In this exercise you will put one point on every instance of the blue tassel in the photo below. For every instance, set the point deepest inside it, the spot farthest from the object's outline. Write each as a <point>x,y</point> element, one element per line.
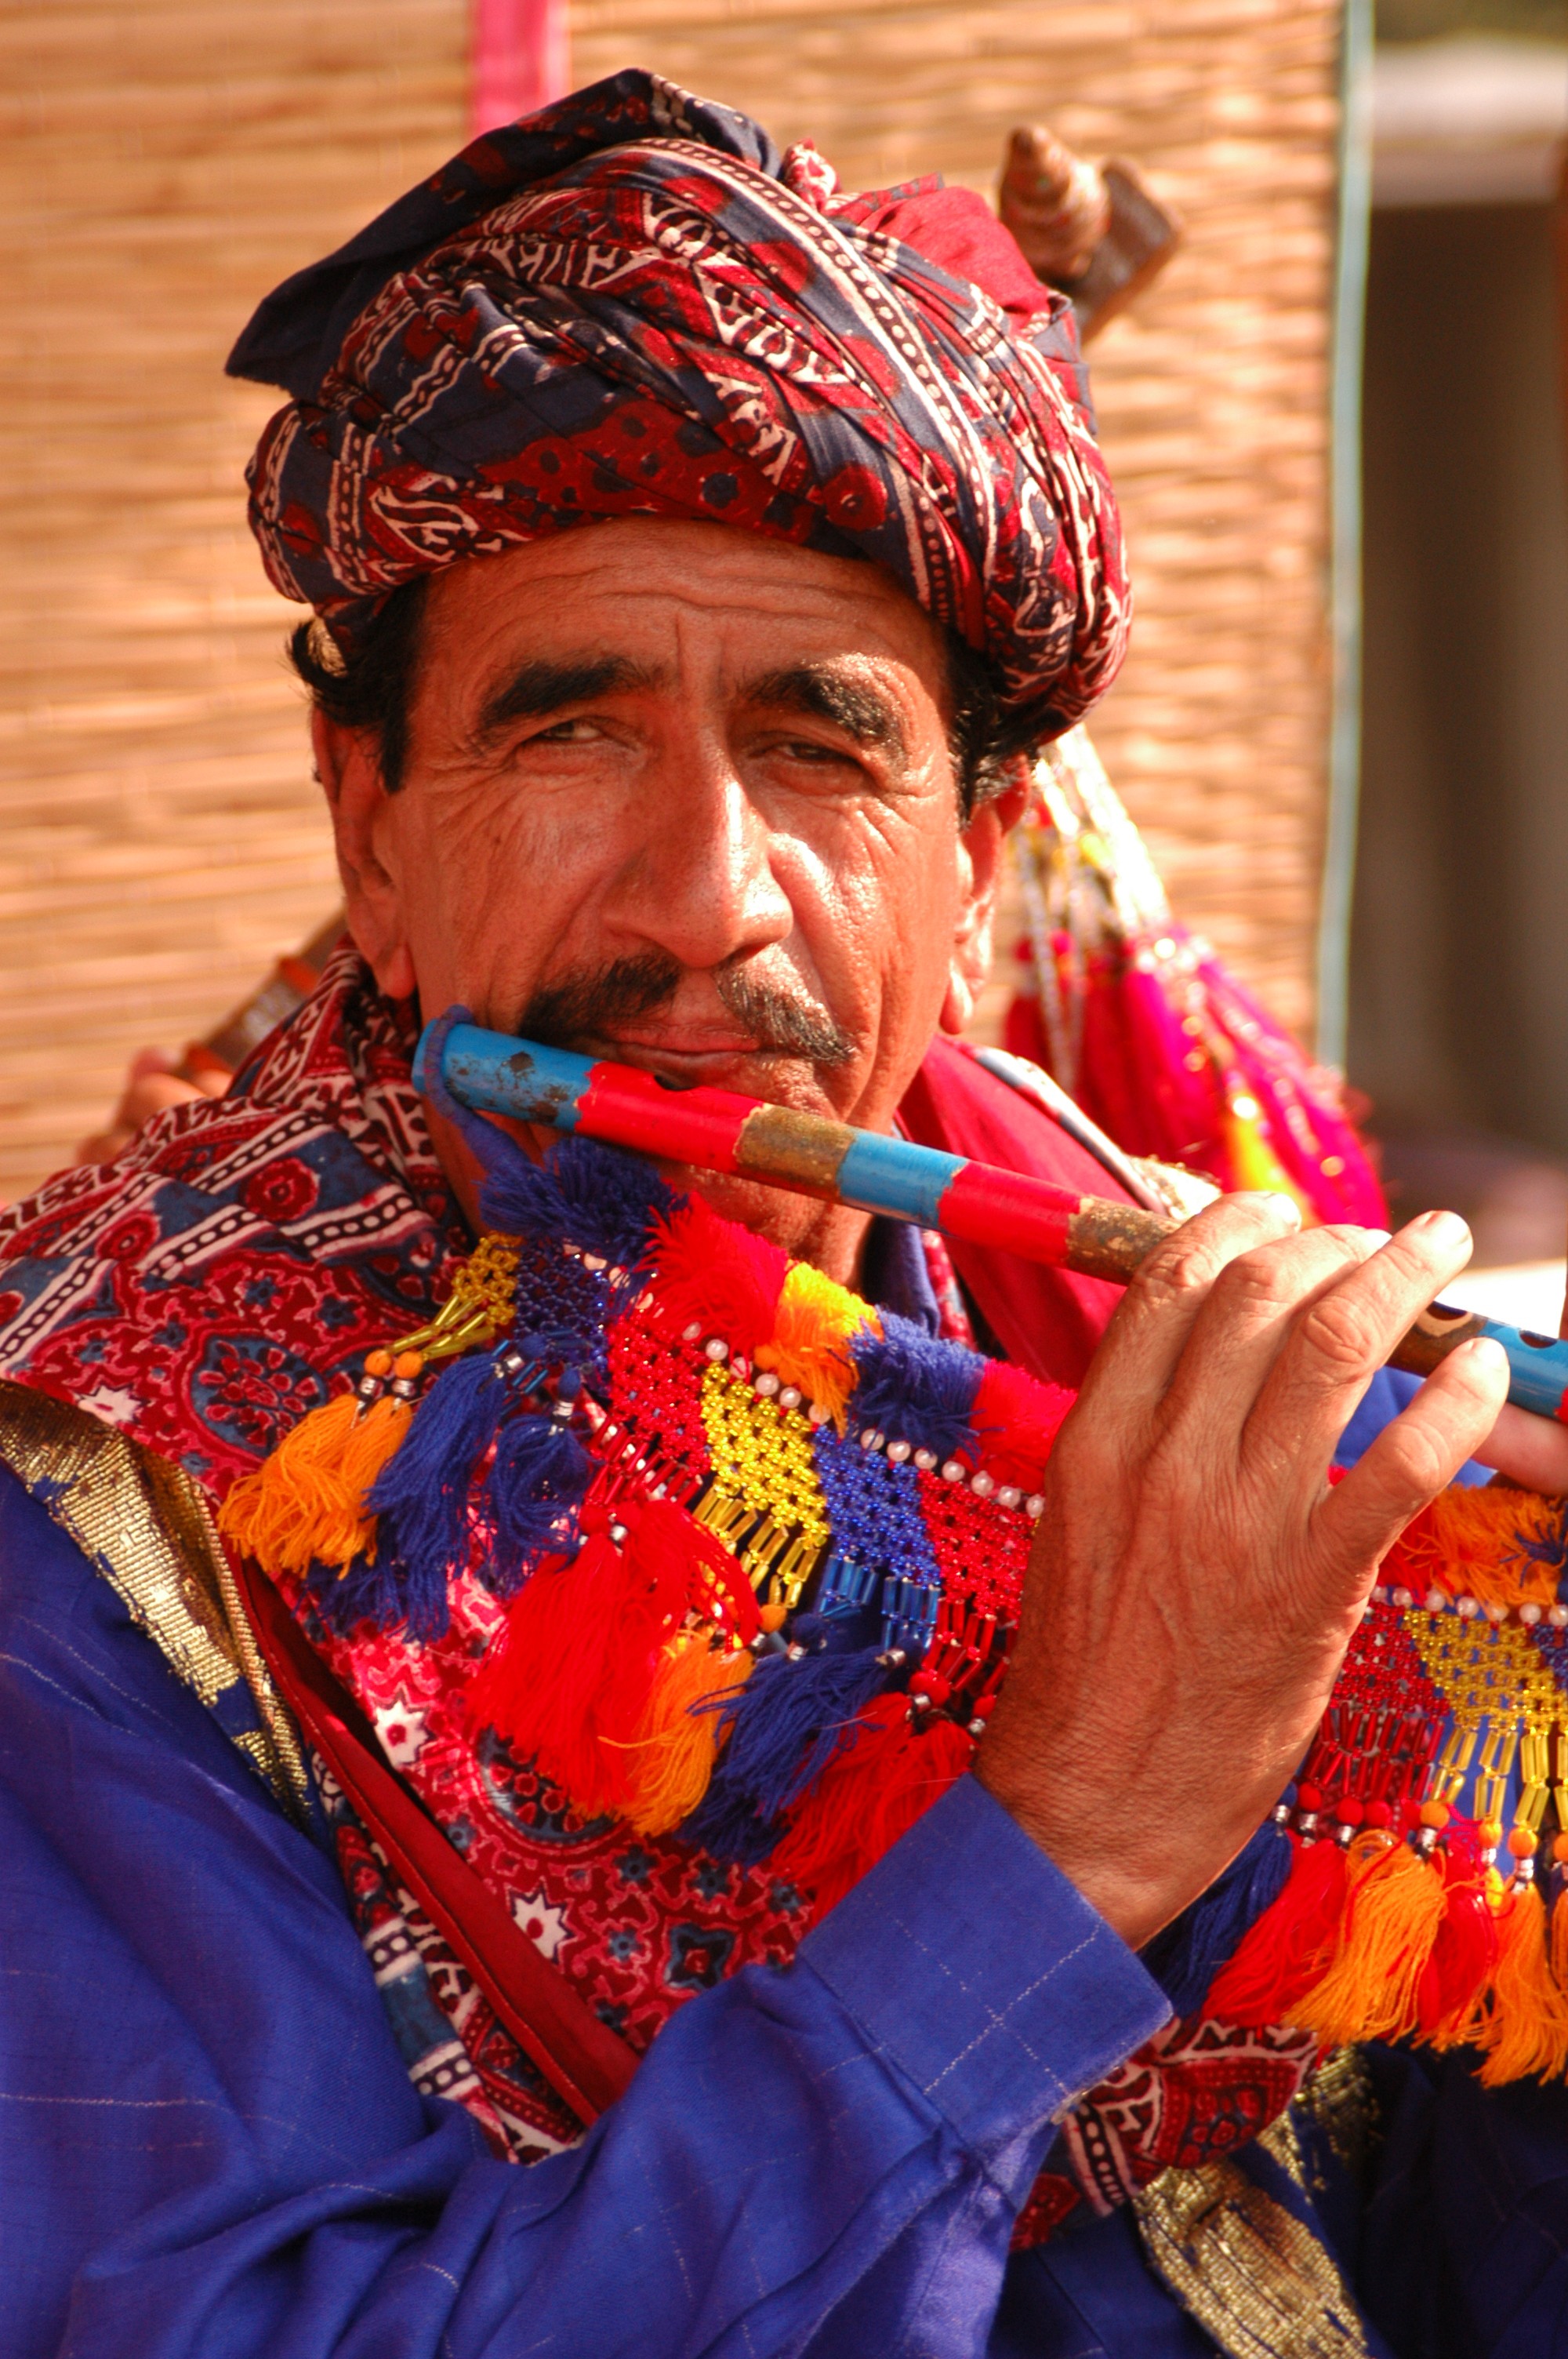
<point>421,1496</point>
<point>603,1200</point>
<point>783,1729</point>
<point>916,1388</point>
<point>368,1591</point>
<point>1187,1955</point>
<point>538,1481</point>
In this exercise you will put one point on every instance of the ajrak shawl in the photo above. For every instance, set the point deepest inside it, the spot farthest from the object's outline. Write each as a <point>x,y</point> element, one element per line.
<point>632,304</point>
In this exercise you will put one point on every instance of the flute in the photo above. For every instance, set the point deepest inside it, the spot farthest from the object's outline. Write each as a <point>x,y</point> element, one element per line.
<point>973,1203</point>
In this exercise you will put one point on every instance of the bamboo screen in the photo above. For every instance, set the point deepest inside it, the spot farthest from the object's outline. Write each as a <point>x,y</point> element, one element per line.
<point>163,166</point>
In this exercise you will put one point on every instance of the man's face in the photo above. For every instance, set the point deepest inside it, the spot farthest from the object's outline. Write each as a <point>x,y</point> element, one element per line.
<point>681,797</point>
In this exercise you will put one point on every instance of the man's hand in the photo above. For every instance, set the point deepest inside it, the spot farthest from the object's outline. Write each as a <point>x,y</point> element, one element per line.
<point>1195,1580</point>
<point>151,1085</point>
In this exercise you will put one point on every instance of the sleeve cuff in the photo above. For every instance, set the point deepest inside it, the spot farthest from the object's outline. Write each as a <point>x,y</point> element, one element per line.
<point>979,1972</point>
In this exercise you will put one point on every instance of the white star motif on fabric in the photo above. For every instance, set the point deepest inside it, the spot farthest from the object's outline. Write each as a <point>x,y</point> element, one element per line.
<point>116,1407</point>
<point>400,1725</point>
<point>546,1926</point>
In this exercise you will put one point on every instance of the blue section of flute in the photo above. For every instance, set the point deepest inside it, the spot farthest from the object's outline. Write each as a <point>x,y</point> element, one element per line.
<point>496,1074</point>
<point>893,1175</point>
<point>1538,1371</point>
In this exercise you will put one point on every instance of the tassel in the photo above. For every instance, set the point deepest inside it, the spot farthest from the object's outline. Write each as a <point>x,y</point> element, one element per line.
<point>714,1276</point>
<point>783,1730</point>
<point>1500,1547</point>
<point>677,1737</point>
<point>1462,1958</point>
<point>809,1345</point>
<point>421,1498</point>
<point>914,1387</point>
<point>1289,1946</point>
<point>1525,2028</point>
<point>570,1682</point>
<point>1016,1420</point>
<point>1559,1938</point>
<point>603,1199</point>
<point>1185,1957</point>
<point>298,1504</point>
<point>888,1774</point>
<point>1394,1907</point>
<point>535,1485</point>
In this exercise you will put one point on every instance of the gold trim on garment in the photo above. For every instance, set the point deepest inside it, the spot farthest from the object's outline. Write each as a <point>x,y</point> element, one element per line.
<point>146,1527</point>
<point>1252,2275</point>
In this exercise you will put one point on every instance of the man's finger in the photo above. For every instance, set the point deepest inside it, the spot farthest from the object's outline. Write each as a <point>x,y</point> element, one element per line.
<point>1533,1450</point>
<point>1148,1333</point>
<point>1338,1341</point>
<point>1247,1318</point>
<point>1412,1458</point>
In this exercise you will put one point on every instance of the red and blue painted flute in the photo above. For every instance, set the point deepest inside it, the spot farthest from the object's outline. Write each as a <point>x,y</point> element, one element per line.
<point>715,1130</point>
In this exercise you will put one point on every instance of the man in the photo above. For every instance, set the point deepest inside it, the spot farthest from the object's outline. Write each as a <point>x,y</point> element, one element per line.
<point>714,781</point>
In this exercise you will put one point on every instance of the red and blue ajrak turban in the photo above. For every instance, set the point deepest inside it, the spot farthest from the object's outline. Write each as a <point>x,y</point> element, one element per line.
<point>632,304</point>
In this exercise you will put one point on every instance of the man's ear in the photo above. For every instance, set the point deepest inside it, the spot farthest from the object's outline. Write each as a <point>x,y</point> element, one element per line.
<point>349,774</point>
<point>981,854</point>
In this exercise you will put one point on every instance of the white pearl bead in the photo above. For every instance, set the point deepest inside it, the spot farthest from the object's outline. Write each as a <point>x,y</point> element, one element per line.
<point>897,1452</point>
<point>1436,1601</point>
<point>817,1414</point>
<point>593,1261</point>
<point>952,1471</point>
<point>1008,1496</point>
<point>1557,1615</point>
<point>1466,1608</point>
<point>1530,1615</point>
<point>1497,1612</point>
<point>716,1349</point>
<point>982,1485</point>
<point>925,1460</point>
<point>1404,1599</point>
<point>789,1397</point>
<point>689,1335</point>
<point>1379,1594</point>
<point>1034,1506</point>
<point>766,1385</point>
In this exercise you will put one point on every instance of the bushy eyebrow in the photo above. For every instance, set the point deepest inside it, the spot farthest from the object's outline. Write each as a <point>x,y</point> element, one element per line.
<point>538,688</point>
<point>825,692</point>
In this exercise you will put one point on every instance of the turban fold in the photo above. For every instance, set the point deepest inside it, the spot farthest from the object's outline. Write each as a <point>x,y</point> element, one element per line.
<point>632,304</point>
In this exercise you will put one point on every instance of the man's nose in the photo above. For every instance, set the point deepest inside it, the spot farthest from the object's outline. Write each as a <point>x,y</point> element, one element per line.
<point>700,883</point>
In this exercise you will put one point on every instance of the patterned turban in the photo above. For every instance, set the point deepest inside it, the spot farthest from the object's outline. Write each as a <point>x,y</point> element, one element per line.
<point>632,304</point>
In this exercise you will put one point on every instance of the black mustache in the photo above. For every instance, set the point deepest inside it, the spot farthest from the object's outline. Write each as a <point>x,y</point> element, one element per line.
<point>586,1007</point>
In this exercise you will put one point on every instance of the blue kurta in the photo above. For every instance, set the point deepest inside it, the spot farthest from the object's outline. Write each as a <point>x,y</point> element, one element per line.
<point>209,2147</point>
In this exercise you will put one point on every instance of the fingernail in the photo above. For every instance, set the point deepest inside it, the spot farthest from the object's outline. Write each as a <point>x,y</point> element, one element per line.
<point>1443,1229</point>
<point>1488,1355</point>
<point>1376,1237</point>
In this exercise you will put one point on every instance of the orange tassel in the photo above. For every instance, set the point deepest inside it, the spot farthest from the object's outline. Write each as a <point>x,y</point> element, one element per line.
<point>809,1344</point>
<point>1470,1541</point>
<point>1289,1948</point>
<point>1393,1907</point>
<point>1524,2029</point>
<point>298,1504</point>
<point>888,1773</point>
<point>674,1749</point>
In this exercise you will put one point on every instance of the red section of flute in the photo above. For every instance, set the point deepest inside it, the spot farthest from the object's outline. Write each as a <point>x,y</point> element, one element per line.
<point>988,1207</point>
<point>629,1108</point>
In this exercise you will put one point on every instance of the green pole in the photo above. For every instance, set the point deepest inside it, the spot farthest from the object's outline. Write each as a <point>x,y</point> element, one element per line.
<point>1345,529</point>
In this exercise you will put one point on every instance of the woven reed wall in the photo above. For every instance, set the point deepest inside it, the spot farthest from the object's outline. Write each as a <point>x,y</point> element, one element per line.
<point>162,166</point>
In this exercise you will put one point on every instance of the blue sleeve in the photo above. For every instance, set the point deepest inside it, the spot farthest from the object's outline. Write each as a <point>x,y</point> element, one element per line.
<point>210,2149</point>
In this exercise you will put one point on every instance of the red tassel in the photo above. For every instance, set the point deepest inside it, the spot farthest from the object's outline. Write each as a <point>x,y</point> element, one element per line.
<point>1016,1419</point>
<point>710,1273</point>
<point>887,1775</point>
<point>1289,1945</point>
<point>1462,1959</point>
<point>571,1680</point>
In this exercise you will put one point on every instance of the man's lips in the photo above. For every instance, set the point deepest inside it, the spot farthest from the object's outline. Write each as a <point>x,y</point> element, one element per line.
<point>688,1057</point>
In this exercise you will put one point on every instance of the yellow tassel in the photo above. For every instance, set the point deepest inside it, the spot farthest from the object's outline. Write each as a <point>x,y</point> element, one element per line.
<point>1525,2029</point>
<point>298,1504</point>
<point>678,1745</point>
<point>813,1324</point>
<point>1393,1907</point>
<point>1253,1162</point>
